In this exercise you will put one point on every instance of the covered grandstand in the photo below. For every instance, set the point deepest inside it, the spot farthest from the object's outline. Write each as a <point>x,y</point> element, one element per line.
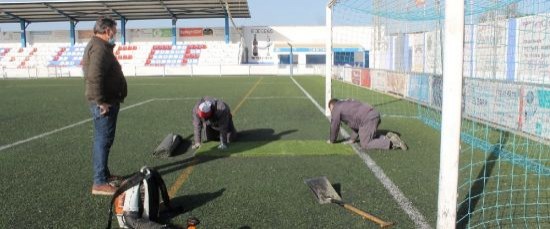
<point>228,49</point>
<point>58,53</point>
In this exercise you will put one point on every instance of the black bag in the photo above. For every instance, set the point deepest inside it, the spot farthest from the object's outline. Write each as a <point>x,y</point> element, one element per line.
<point>137,200</point>
<point>168,146</point>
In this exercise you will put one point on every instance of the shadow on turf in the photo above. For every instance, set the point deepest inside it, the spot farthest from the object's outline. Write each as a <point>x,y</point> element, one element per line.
<point>468,205</point>
<point>187,203</point>
<point>184,147</point>
<point>378,133</point>
<point>264,134</point>
<point>257,137</point>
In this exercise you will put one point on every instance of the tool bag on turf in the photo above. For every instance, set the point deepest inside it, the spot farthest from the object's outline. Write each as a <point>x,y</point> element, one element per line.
<point>137,200</point>
<point>167,147</point>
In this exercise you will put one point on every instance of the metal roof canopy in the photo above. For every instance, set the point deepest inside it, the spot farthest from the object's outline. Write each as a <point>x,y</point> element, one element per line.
<point>15,11</point>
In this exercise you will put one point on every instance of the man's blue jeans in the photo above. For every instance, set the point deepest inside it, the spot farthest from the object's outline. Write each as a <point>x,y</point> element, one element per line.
<point>104,136</point>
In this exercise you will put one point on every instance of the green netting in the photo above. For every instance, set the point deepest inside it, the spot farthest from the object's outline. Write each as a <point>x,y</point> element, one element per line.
<point>424,10</point>
<point>504,171</point>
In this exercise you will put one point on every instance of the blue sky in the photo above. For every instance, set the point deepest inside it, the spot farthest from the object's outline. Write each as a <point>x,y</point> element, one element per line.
<point>263,12</point>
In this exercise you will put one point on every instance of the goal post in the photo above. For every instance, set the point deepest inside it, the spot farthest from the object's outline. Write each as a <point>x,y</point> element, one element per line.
<point>328,55</point>
<point>451,114</point>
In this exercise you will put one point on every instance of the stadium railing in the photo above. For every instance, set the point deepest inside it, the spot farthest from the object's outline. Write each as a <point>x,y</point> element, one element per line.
<point>167,70</point>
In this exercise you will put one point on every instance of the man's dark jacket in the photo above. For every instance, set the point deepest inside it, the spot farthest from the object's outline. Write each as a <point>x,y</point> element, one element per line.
<point>105,82</point>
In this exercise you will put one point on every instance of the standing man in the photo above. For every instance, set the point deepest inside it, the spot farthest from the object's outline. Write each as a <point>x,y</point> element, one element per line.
<point>216,117</point>
<point>105,90</point>
<point>363,120</point>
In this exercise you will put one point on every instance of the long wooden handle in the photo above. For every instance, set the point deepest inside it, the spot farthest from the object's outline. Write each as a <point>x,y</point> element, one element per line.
<point>382,223</point>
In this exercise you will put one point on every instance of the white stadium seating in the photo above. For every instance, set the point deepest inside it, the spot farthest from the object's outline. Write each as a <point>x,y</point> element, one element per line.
<point>146,54</point>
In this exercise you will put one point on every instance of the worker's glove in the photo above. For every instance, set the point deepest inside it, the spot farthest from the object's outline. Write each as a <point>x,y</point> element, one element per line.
<point>222,146</point>
<point>196,146</point>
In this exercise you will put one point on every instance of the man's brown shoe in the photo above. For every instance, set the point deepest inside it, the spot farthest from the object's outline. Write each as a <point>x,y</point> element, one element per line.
<point>103,189</point>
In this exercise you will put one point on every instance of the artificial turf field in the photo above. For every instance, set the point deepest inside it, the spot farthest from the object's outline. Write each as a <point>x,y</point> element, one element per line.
<point>257,183</point>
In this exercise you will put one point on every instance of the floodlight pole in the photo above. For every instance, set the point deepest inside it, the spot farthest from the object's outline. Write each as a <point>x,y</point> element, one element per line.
<point>72,32</point>
<point>174,35</point>
<point>123,29</point>
<point>291,58</point>
<point>24,25</point>
<point>123,21</point>
<point>451,114</point>
<point>328,55</point>
<point>226,27</point>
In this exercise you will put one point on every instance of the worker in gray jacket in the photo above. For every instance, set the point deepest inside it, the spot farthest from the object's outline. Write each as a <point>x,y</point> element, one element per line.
<point>363,120</point>
<point>217,120</point>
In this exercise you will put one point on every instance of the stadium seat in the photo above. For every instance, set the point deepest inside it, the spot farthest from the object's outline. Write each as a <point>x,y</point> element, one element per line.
<point>166,55</point>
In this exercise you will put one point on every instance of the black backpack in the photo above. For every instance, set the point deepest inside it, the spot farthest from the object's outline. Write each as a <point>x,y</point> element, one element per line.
<point>137,200</point>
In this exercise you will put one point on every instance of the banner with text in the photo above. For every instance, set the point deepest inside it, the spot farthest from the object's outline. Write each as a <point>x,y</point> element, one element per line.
<point>418,50</point>
<point>533,52</point>
<point>493,101</point>
<point>419,87</point>
<point>356,76</point>
<point>535,112</point>
<point>469,51</point>
<point>365,78</point>
<point>143,34</point>
<point>338,73</point>
<point>379,78</point>
<point>490,50</point>
<point>260,45</point>
<point>433,61</point>
<point>191,32</point>
<point>437,91</point>
<point>396,83</point>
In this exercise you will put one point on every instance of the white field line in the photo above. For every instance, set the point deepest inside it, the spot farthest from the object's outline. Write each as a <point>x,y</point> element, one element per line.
<point>255,97</point>
<point>321,109</point>
<point>394,191</point>
<point>47,85</point>
<point>278,97</point>
<point>82,122</point>
<point>174,99</point>
<point>44,134</point>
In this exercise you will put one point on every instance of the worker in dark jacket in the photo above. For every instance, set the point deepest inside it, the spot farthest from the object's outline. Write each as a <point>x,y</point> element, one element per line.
<point>105,90</point>
<point>363,120</point>
<point>217,120</point>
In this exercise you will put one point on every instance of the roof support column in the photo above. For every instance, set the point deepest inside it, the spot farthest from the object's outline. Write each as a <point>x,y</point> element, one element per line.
<point>72,32</point>
<point>123,30</point>
<point>24,25</point>
<point>174,35</point>
<point>226,30</point>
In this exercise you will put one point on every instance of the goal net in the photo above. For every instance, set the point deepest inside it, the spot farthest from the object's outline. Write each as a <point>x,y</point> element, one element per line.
<point>390,54</point>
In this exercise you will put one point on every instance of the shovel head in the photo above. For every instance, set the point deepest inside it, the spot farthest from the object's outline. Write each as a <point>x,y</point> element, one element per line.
<point>323,190</point>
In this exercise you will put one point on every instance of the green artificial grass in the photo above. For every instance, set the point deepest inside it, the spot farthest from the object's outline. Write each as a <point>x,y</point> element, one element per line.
<point>258,182</point>
<point>269,192</point>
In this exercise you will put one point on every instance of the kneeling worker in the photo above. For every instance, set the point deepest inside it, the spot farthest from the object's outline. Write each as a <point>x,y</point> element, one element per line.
<point>217,120</point>
<point>363,120</point>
